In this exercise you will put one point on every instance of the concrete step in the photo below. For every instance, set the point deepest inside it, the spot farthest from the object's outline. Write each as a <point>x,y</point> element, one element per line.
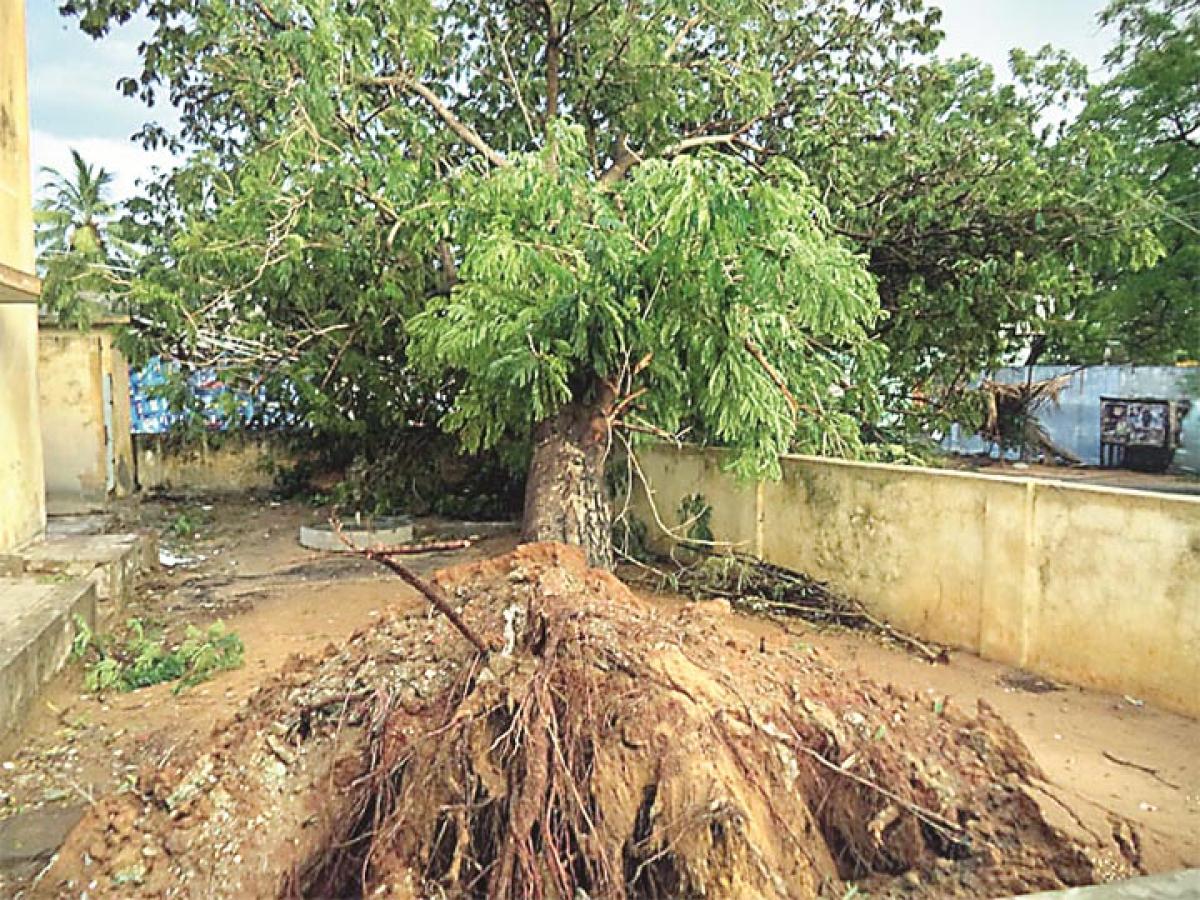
<point>37,623</point>
<point>110,561</point>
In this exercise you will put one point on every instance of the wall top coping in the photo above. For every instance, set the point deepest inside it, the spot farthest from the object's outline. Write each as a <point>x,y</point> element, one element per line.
<point>1018,481</point>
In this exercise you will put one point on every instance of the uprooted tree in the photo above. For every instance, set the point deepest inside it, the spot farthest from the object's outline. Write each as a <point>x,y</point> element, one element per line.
<point>562,223</point>
<point>581,233</point>
<point>609,749</point>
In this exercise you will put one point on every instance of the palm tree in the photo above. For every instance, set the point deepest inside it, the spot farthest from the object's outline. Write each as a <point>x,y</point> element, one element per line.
<point>79,247</point>
<point>73,212</point>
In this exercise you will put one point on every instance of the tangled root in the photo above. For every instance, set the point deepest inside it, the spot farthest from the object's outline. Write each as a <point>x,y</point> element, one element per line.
<point>613,750</point>
<point>614,754</point>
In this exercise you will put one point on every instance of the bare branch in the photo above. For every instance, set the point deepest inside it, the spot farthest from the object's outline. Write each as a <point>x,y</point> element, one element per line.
<point>680,35</point>
<point>501,48</point>
<point>464,132</point>
<point>626,158</point>
<point>424,547</point>
<point>427,589</point>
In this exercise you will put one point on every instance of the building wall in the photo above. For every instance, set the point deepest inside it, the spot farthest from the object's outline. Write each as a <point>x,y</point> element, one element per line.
<point>1073,423</point>
<point>1095,586</point>
<point>22,501</point>
<point>74,366</point>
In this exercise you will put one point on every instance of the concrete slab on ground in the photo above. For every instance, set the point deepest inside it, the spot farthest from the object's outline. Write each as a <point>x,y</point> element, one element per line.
<point>1181,885</point>
<point>36,834</point>
<point>37,623</point>
<point>29,839</point>
<point>72,505</point>
<point>91,523</point>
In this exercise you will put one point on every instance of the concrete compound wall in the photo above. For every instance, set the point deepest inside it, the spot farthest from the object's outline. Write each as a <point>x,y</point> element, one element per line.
<point>73,368</point>
<point>1095,586</point>
<point>22,500</point>
<point>231,464</point>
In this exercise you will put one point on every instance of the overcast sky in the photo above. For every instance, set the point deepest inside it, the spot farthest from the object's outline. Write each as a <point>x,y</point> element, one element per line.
<point>74,102</point>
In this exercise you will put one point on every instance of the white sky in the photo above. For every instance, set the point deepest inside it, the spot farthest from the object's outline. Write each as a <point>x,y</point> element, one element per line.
<point>74,101</point>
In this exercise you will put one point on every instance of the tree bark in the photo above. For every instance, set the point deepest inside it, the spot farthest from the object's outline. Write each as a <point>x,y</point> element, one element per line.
<point>566,498</point>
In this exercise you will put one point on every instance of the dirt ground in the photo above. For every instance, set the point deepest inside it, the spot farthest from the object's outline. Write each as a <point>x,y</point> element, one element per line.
<point>283,600</point>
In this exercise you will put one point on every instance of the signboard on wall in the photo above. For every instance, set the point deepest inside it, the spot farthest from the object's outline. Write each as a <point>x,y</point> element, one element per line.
<point>1135,423</point>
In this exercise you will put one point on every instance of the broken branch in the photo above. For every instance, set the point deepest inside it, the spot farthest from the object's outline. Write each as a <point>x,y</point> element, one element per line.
<point>1153,773</point>
<point>426,547</point>
<point>427,589</point>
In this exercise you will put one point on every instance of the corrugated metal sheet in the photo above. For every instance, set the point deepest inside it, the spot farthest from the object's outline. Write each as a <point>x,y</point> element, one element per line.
<point>1074,423</point>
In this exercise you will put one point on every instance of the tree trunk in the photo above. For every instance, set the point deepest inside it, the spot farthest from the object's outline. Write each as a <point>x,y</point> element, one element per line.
<point>565,496</point>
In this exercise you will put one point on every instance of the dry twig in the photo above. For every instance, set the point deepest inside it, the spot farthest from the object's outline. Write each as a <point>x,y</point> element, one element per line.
<point>1152,772</point>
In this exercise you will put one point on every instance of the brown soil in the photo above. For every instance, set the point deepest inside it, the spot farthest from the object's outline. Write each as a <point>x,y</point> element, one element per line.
<point>611,748</point>
<point>1095,748</point>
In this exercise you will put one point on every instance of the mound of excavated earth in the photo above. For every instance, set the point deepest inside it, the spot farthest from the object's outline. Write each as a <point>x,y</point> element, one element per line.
<point>606,748</point>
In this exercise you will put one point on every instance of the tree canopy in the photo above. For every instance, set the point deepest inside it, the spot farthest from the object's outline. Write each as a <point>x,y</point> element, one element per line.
<point>1150,106</point>
<point>475,212</point>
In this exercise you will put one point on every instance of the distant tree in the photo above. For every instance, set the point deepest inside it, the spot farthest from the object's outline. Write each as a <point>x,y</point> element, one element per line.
<point>1151,107</point>
<point>985,216</point>
<point>77,239</point>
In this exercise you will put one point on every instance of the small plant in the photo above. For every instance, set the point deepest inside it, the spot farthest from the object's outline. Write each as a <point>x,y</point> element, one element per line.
<point>695,515</point>
<point>184,525</point>
<point>144,658</point>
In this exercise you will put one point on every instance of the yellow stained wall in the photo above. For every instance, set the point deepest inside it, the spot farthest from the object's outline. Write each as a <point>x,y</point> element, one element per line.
<point>231,464</point>
<point>73,366</point>
<point>22,500</point>
<point>1096,586</point>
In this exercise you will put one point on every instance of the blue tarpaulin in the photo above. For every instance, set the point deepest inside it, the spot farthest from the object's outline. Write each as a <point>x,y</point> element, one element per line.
<point>151,411</point>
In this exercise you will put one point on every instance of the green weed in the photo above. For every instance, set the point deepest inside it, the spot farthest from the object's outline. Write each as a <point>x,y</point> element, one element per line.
<point>143,657</point>
<point>186,524</point>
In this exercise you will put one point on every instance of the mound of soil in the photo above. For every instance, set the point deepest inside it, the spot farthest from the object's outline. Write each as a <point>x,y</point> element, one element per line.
<point>606,748</point>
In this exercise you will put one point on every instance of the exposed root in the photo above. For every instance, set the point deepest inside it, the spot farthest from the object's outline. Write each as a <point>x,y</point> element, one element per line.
<point>615,752</point>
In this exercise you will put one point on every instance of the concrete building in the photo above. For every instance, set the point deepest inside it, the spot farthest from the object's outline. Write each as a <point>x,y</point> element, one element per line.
<point>49,576</point>
<point>85,416</point>
<point>22,491</point>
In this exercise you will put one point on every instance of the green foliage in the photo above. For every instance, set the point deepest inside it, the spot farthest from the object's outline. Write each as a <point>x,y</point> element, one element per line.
<point>1151,109</point>
<point>474,213</point>
<point>78,241</point>
<point>354,248</point>
<point>564,281</point>
<point>186,523</point>
<point>984,225</point>
<point>143,657</point>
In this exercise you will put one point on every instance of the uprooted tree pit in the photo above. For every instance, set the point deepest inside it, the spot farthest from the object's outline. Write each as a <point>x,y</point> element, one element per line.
<point>604,748</point>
